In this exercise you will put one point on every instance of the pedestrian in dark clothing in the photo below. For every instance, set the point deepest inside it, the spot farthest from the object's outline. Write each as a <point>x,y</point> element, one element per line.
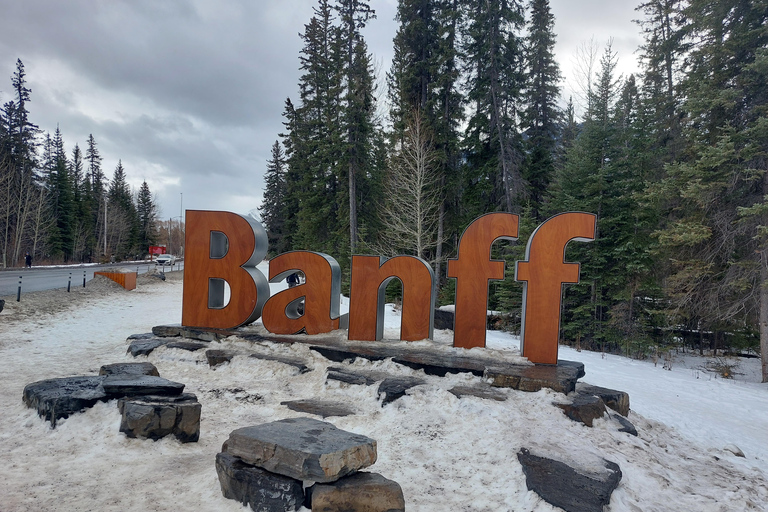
<point>292,280</point>
<point>28,260</point>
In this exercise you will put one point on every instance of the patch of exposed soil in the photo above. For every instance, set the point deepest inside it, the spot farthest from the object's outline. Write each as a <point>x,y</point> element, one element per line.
<point>50,302</point>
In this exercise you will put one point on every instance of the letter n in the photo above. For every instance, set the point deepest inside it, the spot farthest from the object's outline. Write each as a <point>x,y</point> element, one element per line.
<point>370,276</point>
<point>223,247</point>
<point>543,275</point>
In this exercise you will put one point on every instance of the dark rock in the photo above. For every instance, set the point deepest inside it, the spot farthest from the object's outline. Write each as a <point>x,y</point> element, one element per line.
<point>117,386</point>
<point>142,336</point>
<point>154,417</point>
<point>480,391</point>
<point>178,330</point>
<point>561,377</point>
<point>616,400</point>
<point>360,492</point>
<point>217,356</point>
<point>303,448</point>
<point>167,331</point>
<point>624,424</point>
<point>444,319</point>
<point>260,489</point>
<point>584,408</point>
<point>338,355</point>
<point>129,369</point>
<point>360,377</point>
<point>297,363</point>
<point>570,489</point>
<point>55,399</point>
<point>2,305</point>
<point>144,347</point>
<point>395,387</point>
<point>187,345</point>
<point>324,408</point>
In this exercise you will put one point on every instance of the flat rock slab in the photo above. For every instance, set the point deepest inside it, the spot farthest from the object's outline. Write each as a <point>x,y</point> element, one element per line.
<point>584,408</point>
<point>299,364</point>
<point>479,391</point>
<point>303,448</point>
<point>324,408</point>
<point>129,369</point>
<point>359,377</point>
<point>116,386</point>
<point>216,357</point>
<point>573,490</point>
<point>393,388</point>
<point>178,330</point>
<point>55,399</point>
<point>258,488</point>
<point>154,417</point>
<point>191,346</point>
<point>145,346</point>
<point>616,400</point>
<point>561,377</point>
<point>141,336</point>
<point>359,492</point>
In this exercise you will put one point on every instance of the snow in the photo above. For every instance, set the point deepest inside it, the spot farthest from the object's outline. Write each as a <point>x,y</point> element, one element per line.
<point>448,454</point>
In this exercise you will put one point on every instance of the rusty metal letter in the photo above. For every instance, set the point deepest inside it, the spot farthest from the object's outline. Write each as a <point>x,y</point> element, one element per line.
<point>473,269</point>
<point>543,273</point>
<point>321,294</point>
<point>223,247</point>
<point>370,276</point>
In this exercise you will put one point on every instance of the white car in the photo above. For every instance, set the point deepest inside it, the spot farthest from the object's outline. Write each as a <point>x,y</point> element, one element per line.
<point>165,259</point>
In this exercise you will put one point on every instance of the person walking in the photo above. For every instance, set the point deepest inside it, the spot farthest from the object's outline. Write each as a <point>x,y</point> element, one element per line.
<point>28,260</point>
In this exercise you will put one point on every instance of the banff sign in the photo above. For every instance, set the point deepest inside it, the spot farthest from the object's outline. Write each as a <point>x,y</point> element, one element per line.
<point>223,247</point>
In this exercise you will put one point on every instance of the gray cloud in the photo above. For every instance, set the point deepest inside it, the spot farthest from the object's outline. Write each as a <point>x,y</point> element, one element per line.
<point>189,94</point>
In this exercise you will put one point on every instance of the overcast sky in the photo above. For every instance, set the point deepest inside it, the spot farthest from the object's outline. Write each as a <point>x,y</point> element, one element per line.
<point>189,94</point>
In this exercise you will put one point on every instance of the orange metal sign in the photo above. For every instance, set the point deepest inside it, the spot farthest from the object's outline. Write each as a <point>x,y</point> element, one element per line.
<point>224,248</point>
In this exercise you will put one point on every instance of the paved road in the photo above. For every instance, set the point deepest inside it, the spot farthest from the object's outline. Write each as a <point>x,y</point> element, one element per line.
<point>49,278</point>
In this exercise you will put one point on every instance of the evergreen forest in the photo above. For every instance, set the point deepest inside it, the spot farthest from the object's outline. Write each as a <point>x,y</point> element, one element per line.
<point>471,119</point>
<point>61,208</point>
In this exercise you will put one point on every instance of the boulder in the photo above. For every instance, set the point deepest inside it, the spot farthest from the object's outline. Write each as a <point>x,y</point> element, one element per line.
<point>572,489</point>
<point>144,346</point>
<point>117,386</point>
<point>584,408</point>
<point>217,356</point>
<point>395,387</point>
<point>2,305</point>
<point>129,369</point>
<point>561,377</point>
<point>167,331</point>
<point>624,424</point>
<point>154,417</point>
<point>303,448</point>
<point>324,408</point>
<point>55,399</point>
<point>256,487</point>
<point>616,400</point>
<point>444,319</point>
<point>361,492</point>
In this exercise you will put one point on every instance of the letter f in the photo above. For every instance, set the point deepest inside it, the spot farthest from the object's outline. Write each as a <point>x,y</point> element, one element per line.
<point>543,274</point>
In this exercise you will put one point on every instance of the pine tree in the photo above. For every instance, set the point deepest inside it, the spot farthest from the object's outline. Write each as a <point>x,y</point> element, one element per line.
<point>272,209</point>
<point>62,202</point>
<point>97,199</point>
<point>123,225</point>
<point>493,65</point>
<point>541,117</point>
<point>147,215</point>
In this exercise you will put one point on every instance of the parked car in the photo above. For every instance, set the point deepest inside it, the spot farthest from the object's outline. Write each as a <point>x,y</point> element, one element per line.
<point>165,259</point>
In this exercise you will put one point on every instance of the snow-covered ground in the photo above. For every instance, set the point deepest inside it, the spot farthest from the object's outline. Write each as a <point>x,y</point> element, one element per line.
<point>448,454</point>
